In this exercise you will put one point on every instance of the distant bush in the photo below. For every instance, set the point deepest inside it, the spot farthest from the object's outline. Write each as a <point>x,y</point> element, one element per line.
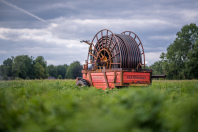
<point>5,77</point>
<point>27,78</point>
<point>12,78</point>
<point>18,78</point>
<point>60,77</point>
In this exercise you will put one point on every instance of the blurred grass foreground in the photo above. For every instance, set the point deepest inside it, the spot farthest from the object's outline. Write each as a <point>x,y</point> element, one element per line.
<point>59,105</point>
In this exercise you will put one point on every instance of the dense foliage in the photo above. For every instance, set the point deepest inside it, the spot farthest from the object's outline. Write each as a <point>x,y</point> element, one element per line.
<point>58,71</point>
<point>44,105</point>
<point>180,61</point>
<point>74,70</point>
<point>26,67</point>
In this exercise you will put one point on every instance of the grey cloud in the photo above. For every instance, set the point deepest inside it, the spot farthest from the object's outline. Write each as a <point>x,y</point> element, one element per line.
<point>153,21</point>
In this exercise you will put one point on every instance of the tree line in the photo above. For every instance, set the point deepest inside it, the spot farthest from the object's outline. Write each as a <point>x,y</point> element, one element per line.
<point>25,67</point>
<point>181,59</point>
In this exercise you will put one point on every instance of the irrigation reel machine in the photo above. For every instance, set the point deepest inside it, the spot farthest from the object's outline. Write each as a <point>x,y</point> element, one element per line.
<point>115,60</point>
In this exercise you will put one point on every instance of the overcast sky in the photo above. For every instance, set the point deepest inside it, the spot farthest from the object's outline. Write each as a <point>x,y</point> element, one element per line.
<point>156,22</point>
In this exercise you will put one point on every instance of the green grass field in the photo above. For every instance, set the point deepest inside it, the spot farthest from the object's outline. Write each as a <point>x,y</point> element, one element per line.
<point>59,105</point>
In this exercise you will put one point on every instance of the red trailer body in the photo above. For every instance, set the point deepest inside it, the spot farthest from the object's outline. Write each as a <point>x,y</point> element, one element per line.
<point>111,78</point>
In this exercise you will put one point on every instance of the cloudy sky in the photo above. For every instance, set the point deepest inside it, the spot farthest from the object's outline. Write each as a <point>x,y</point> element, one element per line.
<point>44,27</point>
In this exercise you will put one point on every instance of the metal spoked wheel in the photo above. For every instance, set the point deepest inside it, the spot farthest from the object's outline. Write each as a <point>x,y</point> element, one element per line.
<point>82,82</point>
<point>104,50</point>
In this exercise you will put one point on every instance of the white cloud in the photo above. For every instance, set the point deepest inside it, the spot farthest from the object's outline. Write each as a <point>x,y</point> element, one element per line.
<point>152,57</point>
<point>2,52</point>
<point>156,48</point>
<point>165,37</point>
<point>77,24</point>
<point>189,15</point>
<point>37,35</point>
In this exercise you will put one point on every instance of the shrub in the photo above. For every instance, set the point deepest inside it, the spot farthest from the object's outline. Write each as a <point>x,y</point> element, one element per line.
<point>18,78</point>
<point>5,77</point>
<point>60,77</point>
<point>12,78</point>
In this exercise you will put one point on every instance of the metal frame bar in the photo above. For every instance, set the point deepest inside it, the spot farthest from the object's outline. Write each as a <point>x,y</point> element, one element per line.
<point>91,83</point>
<point>106,81</point>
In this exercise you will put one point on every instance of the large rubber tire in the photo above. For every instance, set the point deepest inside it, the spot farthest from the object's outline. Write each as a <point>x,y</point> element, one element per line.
<point>82,82</point>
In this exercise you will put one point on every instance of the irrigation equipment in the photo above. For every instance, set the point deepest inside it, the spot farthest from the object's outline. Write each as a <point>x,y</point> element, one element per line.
<point>115,60</point>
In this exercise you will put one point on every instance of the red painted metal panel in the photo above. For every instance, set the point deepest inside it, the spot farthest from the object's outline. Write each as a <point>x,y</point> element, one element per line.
<point>110,79</point>
<point>100,85</point>
<point>110,73</point>
<point>97,74</point>
<point>103,85</point>
<point>98,78</point>
<point>136,77</point>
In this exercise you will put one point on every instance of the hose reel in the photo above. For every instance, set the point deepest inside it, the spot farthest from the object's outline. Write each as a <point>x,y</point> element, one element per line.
<point>111,50</point>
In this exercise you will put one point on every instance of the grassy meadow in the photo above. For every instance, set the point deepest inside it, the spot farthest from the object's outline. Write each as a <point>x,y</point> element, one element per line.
<point>59,105</point>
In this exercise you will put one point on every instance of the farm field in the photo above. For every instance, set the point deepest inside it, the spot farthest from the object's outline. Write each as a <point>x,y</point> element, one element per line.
<point>59,105</point>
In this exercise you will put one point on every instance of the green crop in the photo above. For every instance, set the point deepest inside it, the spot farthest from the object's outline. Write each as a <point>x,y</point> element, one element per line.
<point>59,105</point>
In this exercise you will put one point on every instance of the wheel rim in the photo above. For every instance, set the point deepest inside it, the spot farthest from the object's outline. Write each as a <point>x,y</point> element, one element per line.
<point>104,49</point>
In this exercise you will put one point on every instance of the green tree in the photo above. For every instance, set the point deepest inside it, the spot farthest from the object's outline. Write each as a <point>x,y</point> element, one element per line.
<point>23,66</point>
<point>177,52</point>
<point>146,67</point>
<point>66,67</point>
<point>157,68</point>
<point>5,77</point>
<point>39,71</point>
<point>61,70</point>
<point>40,67</point>
<point>192,64</point>
<point>59,77</point>
<point>178,62</point>
<point>52,70</point>
<point>1,70</point>
<point>7,67</point>
<point>74,70</point>
<point>160,67</point>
